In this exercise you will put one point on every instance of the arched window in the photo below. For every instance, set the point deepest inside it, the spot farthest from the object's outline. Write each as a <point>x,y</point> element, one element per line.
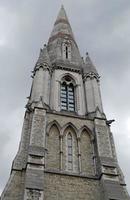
<point>70,151</point>
<point>52,141</point>
<point>66,48</point>
<point>67,95</point>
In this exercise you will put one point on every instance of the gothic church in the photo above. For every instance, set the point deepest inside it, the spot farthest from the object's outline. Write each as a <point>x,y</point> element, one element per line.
<point>66,150</point>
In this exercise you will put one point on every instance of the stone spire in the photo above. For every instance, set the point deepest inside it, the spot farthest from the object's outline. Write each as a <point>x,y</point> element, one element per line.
<point>62,26</point>
<point>60,37</point>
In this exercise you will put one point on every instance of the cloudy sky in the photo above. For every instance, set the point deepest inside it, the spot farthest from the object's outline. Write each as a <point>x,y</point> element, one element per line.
<point>101,27</point>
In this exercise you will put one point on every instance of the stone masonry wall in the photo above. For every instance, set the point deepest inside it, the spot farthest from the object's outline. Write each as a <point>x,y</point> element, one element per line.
<point>14,189</point>
<point>66,187</point>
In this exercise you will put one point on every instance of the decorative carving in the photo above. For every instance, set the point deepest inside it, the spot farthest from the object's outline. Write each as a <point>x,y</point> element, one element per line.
<point>66,65</point>
<point>109,122</point>
<point>91,75</point>
<point>33,194</point>
<point>44,66</point>
<point>29,107</point>
<point>39,104</point>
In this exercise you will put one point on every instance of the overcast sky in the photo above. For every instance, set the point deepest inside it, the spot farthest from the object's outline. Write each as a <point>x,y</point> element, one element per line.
<point>100,27</point>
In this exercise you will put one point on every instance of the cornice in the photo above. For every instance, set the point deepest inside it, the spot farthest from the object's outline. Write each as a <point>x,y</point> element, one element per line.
<point>67,66</point>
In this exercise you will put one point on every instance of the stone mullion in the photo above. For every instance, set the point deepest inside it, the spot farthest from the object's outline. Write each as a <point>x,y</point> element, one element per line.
<point>61,152</point>
<point>67,95</point>
<point>79,155</point>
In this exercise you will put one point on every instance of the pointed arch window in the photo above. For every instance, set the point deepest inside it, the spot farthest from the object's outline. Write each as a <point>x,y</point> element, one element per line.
<point>67,96</point>
<point>66,48</point>
<point>70,151</point>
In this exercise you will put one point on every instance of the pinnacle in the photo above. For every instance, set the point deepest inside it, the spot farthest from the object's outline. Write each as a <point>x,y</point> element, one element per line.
<point>89,66</point>
<point>88,59</point>
<point>44,57</point>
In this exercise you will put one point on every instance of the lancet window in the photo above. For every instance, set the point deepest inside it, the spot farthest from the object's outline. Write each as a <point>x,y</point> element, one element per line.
<point>67,95</point>
<point>66,50</point>
<point>70,152</point>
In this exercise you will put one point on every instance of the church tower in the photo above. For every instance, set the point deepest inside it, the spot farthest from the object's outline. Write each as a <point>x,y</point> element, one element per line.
<point>66,150</point>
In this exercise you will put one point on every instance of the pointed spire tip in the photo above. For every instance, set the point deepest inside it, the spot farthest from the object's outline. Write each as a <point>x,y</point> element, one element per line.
<point>62,13</point>
<point>62,6</point>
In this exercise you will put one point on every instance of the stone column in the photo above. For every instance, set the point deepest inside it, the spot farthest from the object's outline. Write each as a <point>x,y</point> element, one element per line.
<point>79,155</point>
<point>34,178</point>
<point>108,164</point>
<point>41,85</point>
